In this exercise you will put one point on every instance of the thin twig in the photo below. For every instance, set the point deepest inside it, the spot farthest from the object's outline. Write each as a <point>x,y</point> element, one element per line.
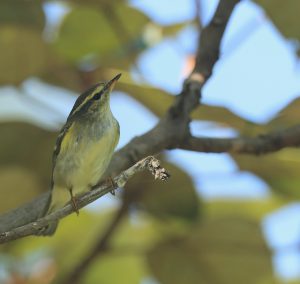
<point>198,14</point>
<point>149,163</point>
<point>171,129</point>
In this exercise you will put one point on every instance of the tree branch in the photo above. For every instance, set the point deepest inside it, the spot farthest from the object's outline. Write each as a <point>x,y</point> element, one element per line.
<point>173,127</point>
<point>262,144</point>
<point>33,228</point>
<point>170,131</point>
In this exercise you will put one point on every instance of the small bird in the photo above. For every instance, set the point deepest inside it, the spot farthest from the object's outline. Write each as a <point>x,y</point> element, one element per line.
<point>83,149</point>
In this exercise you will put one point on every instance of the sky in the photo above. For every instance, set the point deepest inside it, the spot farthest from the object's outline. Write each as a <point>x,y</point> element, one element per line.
<point>245,90</point>
<point>239,83</point>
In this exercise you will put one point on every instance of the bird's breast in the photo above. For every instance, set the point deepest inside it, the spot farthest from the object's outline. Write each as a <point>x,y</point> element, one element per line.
<point>86,156</point>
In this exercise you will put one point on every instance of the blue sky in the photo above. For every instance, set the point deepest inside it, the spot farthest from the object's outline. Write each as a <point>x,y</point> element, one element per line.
<point>256,76</point>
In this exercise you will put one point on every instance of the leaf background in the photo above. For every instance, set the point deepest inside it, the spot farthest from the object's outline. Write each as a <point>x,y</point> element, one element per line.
<point>173,234</point>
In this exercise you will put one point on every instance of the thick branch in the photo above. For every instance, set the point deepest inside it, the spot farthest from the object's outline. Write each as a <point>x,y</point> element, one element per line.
<point>174,127</point>
<point>169,132</point>
<point>261,144</point>
<point>210,40</point>
<point>33,228</point>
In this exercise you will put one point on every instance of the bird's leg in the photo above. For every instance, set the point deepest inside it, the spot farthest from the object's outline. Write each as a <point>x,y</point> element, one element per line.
<point>113,184</point>
<point>109,181</point>
<point>73,201</point>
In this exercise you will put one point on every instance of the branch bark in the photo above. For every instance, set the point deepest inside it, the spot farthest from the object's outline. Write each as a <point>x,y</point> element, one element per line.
<point>33,228</point>
<point>172,129</point>
<point>262,144</point>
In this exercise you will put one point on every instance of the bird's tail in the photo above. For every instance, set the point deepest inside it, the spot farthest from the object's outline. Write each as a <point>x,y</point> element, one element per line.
<point>57,199</point>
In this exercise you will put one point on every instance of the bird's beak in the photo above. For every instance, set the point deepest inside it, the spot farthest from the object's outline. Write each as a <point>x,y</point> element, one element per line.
<point>110,85</point>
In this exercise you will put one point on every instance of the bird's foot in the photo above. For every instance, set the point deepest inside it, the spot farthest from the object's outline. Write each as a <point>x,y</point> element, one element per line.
<point>113,185</point>
<point>74,202</point>
<point>110,182</point>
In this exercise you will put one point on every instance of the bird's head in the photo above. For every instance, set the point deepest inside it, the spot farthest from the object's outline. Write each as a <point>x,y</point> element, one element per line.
<point>94,100</point>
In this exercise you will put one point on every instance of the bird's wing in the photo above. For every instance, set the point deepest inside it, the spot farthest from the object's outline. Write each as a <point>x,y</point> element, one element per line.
<point>57,146</point>
<point>80,101</point>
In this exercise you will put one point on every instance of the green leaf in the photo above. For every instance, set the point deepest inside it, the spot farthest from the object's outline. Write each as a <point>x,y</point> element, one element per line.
<point>174,198</point>
<point>85,31</point>
<point>112,269</point>
<point>280,170</point>
<point>22,54</point>
<point>27,146</point>
<point>287,117</point>
<point>172,30</point>
<point>25,163</point>
<point>224,250</point>
<point>285,16</point>
<point>156,100</point>
<point>69,246</point>
<point>133,20</point>
<point>66,248</point>
<point>254,209</point>
<point>225,117</point>
<point>60,73</point>
<point>18,185</point>
<point>97,3</point>
<point>22,13</point>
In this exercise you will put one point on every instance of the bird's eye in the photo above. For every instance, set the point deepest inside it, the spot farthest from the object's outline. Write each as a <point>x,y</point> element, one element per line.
<point>97,96</point>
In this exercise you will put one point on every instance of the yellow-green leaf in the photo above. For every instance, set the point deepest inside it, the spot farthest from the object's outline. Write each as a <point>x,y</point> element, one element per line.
<point>175,198</point>
<point>280,170</point>
<point>224,250</point>
<point>22,13</point>
<point>22,53</point>
<point>285,15</point>
<point>85,31</point>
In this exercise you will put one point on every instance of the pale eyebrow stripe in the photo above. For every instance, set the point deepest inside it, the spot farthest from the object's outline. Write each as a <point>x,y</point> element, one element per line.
<point>94,90</point>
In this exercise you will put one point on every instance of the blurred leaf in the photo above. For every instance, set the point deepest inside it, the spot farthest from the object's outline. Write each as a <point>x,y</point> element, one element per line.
<point>225,117</point>
<point>60,72</point>
<point>288,116</point>
<point>255,209</point>
<point>172,30</point>
<point>29,147</point>
<point>174,198</point>
<point>106,35</point>
<point>18,185</point>
<point>75,238</point>
<point>154,99</point>
<point>22,13</point>
<point>225,250</point>
<point>97,3</point>
<point>112,269</point>
<point>158,101</point>
<point>280,170</point>
<point>133,21</point>
<point>138,231</point>
<point>285,16</point>
<point>67,247</point>
<point>96,35</point>
<point>22,54</point>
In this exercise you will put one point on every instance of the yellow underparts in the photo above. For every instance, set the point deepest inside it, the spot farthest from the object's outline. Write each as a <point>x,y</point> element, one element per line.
<point>80,165</point>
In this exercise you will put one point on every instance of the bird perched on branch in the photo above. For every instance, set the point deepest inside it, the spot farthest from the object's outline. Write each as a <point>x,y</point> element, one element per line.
<point>83,149</point>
